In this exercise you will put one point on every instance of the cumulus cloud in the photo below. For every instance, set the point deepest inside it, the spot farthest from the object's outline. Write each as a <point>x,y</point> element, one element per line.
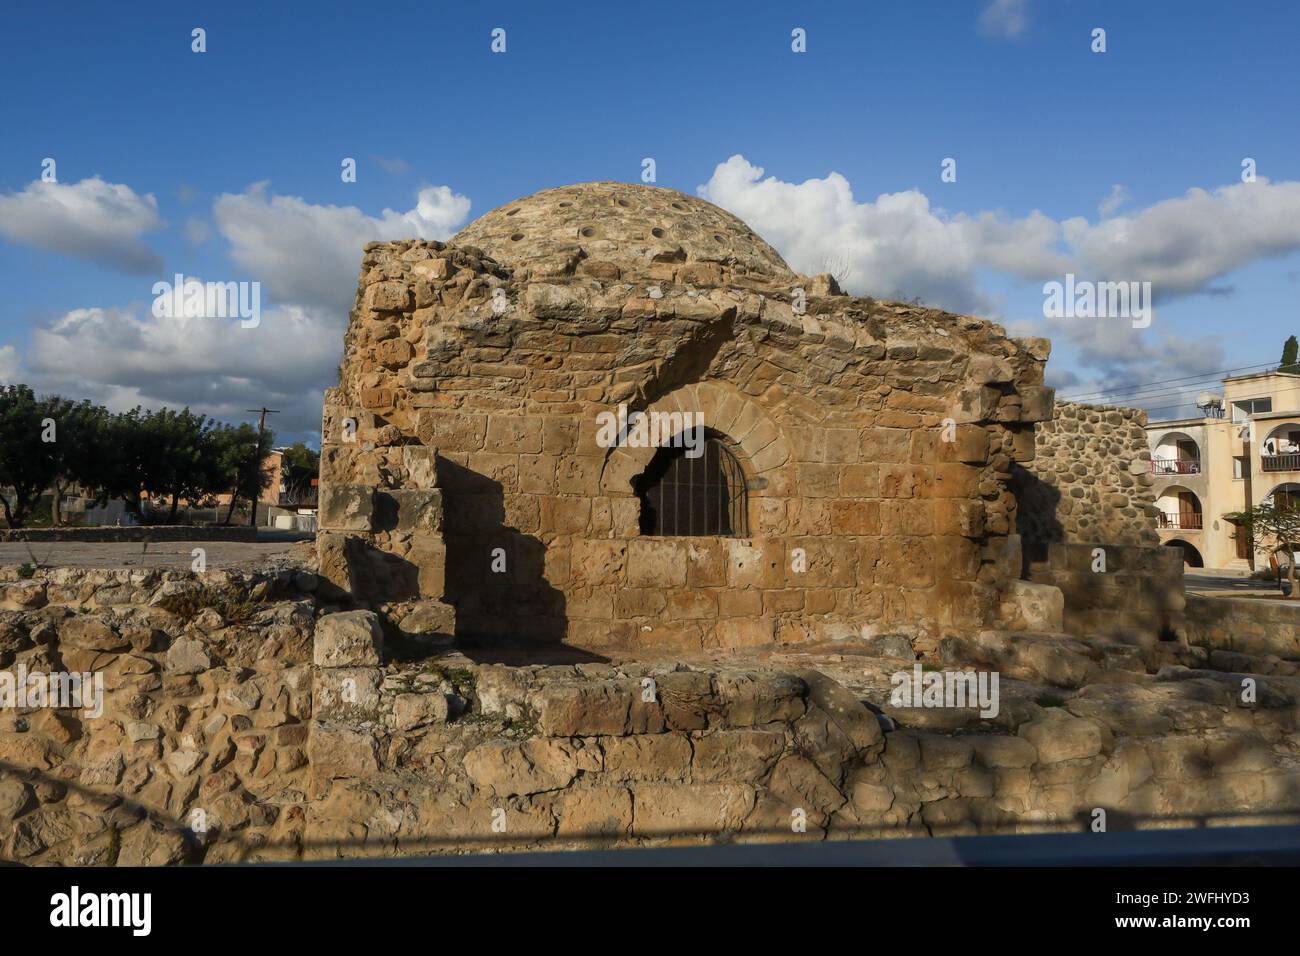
<point>94,220</point>
<point>900,246</point>
<point>1005,19</point>
<point>897,246</point>
<point>10,366</point>
<point>1096,356</point>
<point>306,257</point>
<point>308,253</point>
<point>126,356</point>
<point>1183,245</point>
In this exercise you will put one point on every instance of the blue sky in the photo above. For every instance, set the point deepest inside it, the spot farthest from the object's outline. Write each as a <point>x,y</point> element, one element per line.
<point>225,165</point>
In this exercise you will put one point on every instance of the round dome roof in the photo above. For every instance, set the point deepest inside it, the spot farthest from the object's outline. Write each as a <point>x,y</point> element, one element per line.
<point>619,222</point>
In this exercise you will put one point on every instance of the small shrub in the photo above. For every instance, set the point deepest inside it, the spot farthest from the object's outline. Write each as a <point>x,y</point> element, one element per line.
<point>26,570</point>
<point>233,606</point>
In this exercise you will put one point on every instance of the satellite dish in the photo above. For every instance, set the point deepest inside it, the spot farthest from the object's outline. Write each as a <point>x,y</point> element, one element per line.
<point>1209,403</point>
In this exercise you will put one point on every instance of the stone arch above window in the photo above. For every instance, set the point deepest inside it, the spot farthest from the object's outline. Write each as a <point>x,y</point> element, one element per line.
<point>748,431</point>
<point>697,491</point>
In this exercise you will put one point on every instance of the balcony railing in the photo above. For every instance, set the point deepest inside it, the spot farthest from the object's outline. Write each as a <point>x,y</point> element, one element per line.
<point>1279,462</point>
<point>1181,521</point>
<point>1175,466</point>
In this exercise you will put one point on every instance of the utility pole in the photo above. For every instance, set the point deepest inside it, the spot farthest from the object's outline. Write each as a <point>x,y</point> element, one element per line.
<point>1247,485</point>
<point>261,428</point>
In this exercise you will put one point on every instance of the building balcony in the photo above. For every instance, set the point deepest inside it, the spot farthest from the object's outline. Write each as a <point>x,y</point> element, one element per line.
<point>1175,466</point>
<point>1269,463</point>
<point>1179,521</point>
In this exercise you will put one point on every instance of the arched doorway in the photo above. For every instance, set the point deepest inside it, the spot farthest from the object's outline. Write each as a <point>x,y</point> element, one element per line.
<point>1280,449</point>
<point>1191,557</point>
<point>1180,509</point>
<point>1177,453</point>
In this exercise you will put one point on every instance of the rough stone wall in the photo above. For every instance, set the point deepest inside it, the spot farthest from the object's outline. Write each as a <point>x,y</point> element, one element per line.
<point>1117,591</point>
<point>837,417</point>
<point>1244,625</point>
<point>1089,482</point>
<point>202,713</point>
<point>294,734</point>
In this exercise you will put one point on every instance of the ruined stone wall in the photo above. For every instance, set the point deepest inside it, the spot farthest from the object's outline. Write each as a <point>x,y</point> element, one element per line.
<point>1086,520</point>
<point>1117,591</point>
<point>1244,625</point>
<point>1089,482</point>
<point>283,730</point>
<point>837,417</point>
<point>206,708</point>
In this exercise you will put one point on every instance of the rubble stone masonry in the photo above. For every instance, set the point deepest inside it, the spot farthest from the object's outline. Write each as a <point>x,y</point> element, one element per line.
<point>461,462</point>
<point>246,720</point>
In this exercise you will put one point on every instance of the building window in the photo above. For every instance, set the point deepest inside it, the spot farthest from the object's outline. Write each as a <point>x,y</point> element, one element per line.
<point>1241,411</point>
<point>1286,498</point>
<point>1240,466</point>
<point>697,496</point>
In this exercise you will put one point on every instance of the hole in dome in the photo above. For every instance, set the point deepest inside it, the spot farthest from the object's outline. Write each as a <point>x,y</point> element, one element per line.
<point>512,212</point>
<point>516,237</point>
<point>565,203</point>
<point>718,238</point>
<point>586,232</point>
<point>657,232</point>
<point>678,205</point>
<point>622,202</point>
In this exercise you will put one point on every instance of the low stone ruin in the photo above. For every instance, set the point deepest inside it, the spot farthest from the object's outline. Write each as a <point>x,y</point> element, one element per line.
<point>244,719</point>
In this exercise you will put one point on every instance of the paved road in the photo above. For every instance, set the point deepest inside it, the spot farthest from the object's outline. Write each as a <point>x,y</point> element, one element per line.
<point>1199,583</point>
<point>164,554</point>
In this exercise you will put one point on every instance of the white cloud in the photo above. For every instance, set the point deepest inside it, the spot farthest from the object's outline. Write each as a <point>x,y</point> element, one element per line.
<point>899,246</point>
<point>1005,19</point>
<point>126,356</point>
<point>10,366</point>
<point>306,256</point>
<point>1111,360</point>
<point>1118,196</point>
<point>197,232</point>
<point>309,253</point>
<point>394,167</point>
<point>1183,245</point>
<point>93,219</point>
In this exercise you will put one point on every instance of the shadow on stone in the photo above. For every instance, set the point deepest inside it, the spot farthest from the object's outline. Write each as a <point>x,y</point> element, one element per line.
<point>506,610</point>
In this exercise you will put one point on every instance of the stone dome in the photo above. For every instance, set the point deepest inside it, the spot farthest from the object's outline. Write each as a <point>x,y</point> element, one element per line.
<point>622,223</point>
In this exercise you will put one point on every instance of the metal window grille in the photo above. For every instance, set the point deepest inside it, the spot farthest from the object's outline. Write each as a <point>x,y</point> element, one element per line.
<point>702,496</point>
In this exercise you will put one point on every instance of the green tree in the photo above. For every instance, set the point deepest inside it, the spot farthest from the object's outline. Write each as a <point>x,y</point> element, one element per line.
<point>80,449</point>
<point>299,466</point>
<point>174,456</point>
<point>241,457</point>
<point>28,452</point>
<point>1290,356</point>
<point>1277,527</point>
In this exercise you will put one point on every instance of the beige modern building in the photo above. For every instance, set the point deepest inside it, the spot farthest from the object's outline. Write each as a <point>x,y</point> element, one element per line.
<point>1243,452</point>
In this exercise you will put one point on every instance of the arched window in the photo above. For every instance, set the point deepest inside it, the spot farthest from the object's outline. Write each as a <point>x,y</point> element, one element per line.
<point>698,496</point>
<point>1285,497</point>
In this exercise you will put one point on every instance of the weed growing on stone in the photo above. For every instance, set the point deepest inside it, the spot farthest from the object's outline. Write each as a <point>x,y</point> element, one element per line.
<point>233,606</point>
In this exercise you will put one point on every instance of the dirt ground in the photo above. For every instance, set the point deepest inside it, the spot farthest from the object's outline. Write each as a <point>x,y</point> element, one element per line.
<point>164,554</point>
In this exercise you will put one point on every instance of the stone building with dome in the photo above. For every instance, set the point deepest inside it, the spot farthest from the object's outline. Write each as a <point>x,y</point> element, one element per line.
<point>851,477</point>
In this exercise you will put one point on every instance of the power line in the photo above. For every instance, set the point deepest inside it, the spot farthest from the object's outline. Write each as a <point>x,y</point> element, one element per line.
<point>1158,394</point>
<point>1191,380</point>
